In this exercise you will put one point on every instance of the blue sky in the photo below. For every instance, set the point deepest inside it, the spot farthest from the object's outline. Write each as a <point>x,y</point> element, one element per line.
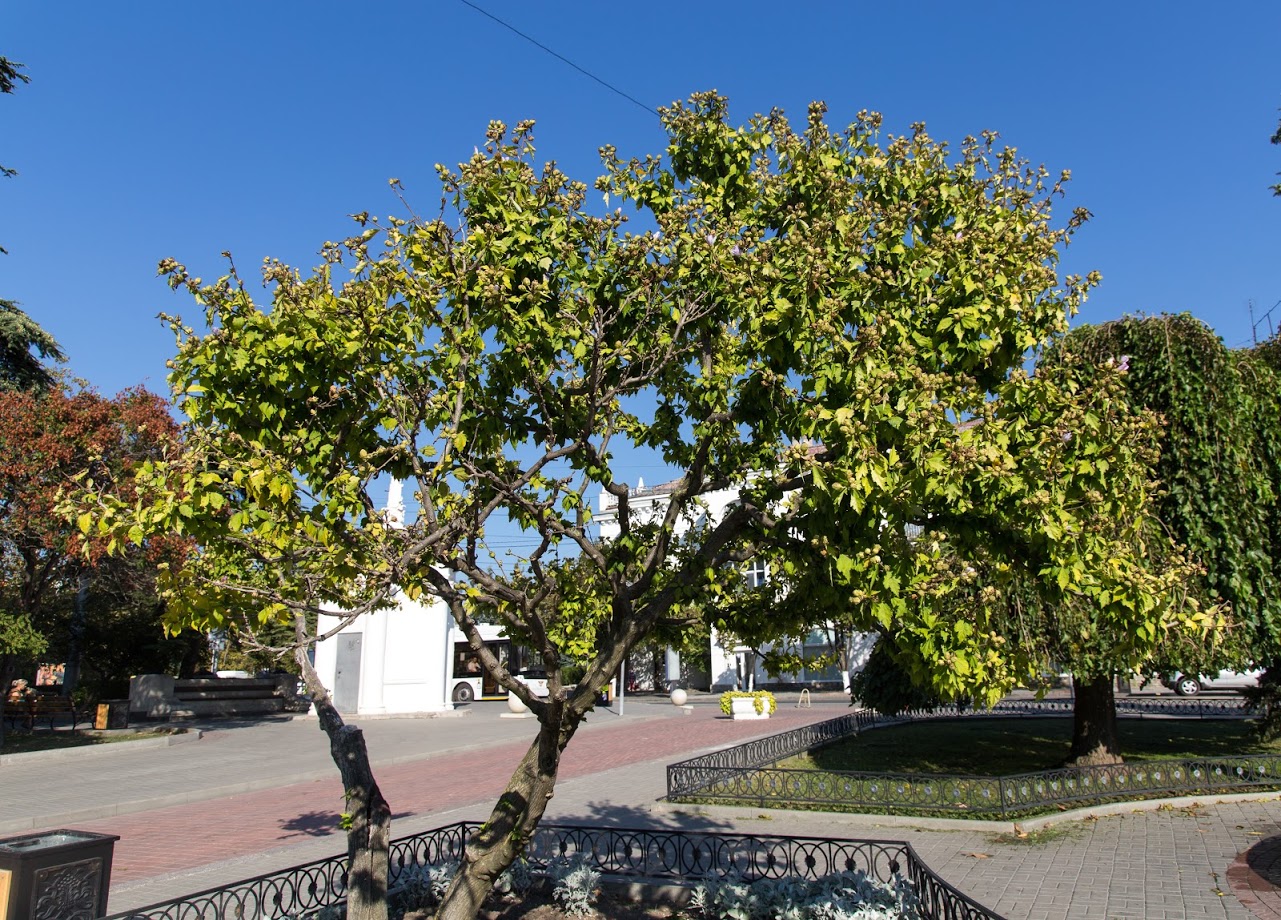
<point>161,129</point>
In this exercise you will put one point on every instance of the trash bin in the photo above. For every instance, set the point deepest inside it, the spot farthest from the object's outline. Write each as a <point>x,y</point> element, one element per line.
<point>59,874</point>
<point>112,714</point>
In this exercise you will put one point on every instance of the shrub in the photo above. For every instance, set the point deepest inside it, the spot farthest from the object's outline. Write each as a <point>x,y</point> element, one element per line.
<point>763,698</point>
<point>574,885</point>
<point>518,878</point>
<point>420,888</point>
<point>841,896</point>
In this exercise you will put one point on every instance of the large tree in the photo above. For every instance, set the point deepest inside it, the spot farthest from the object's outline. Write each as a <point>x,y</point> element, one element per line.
<point>1217,463</point>
<point>1220,470</point>
<point>786,288</point>
<point>47,440</point>
<point>20,335</point>
<point>1007,574</point>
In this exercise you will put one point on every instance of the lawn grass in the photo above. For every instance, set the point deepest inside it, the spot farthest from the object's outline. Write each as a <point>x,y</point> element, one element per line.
<point>25,742</point>
<point>954,766</point>
<point>1004,746</point>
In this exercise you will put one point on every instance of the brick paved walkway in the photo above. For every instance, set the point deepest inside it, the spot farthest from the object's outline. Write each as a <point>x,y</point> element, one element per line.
<point>181,837</point>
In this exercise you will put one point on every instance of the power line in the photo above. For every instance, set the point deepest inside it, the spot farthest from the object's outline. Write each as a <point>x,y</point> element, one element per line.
<point>1256,323</point>
<point>587,73</point>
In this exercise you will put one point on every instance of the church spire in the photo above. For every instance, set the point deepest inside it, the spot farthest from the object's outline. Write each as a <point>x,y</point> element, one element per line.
<point>396,503</point>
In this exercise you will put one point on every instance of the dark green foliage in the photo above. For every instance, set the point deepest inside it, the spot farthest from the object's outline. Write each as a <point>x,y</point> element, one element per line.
<point>1265,701</point>
<point>20,336</point>
<point>10,76</point>
<point>122,637</point>
<point>886,686</point>
<point>1221,471</point>
<point>1261,373</point>
<point>1219,460</point>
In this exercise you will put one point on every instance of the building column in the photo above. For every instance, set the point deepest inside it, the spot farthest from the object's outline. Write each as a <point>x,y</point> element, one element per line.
<point>673,668</point>
<point>373,667</point>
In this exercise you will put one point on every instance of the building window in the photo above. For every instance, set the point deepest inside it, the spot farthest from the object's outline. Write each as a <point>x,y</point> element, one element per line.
<point>757,573</point>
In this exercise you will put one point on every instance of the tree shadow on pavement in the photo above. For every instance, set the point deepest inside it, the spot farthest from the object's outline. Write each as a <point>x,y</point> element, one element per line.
<point>1265,859</point>
<point>633,817</point>
<point>216,723</point>
<point>321,823</point>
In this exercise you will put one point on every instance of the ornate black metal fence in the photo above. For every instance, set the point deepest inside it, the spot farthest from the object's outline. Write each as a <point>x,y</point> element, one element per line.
<point>619,853</point>
<point>303,890</point>
<point>1183,708</point>
<point>688,856</point>
<point>1005,796</point>
<point>743,773</point>
<point>786,744</point>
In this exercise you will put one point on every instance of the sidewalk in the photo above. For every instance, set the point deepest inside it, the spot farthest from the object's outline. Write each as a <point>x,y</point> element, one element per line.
<point>1170,864</point>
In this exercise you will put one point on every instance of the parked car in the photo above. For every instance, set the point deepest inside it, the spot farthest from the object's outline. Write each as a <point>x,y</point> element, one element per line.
<point>1191,685</point>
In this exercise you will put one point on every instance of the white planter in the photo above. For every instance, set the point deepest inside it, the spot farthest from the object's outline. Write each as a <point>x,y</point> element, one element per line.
<point>743,707</point>
<point>679,697</point>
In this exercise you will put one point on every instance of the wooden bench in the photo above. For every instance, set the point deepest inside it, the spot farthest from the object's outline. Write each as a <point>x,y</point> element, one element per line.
<point>42,708</point>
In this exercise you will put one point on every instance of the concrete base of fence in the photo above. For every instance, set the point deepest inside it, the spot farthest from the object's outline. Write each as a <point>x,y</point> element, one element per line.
<point>1026,825</point>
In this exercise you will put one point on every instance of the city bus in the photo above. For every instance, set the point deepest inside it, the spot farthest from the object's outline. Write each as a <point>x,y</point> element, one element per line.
<point>469,681</point>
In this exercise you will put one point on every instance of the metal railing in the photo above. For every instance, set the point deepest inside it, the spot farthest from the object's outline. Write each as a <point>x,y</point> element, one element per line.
<point>743,773</point>
<point>1006,796</point>
<point>619,853</point>
<point>303,890</point>
<point>1183,708</point>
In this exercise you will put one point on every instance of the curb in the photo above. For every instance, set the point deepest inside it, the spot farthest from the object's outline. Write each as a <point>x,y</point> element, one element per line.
<point>1024,826</point>
<point>96,750</point>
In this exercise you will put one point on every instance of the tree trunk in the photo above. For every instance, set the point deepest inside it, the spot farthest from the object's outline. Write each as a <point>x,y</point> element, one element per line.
<point>366,814</point>
<point>194,647</point>
<point>503,837</point>
<point>75,647</point>
<point>7,670</point>
<point>1094,735</point>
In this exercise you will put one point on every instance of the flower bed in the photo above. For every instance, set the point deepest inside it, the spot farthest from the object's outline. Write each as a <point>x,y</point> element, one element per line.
<point>742,704</point>
<point>729,868</point>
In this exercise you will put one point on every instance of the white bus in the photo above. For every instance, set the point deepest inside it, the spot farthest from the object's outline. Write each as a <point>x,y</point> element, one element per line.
<point>470,682</point>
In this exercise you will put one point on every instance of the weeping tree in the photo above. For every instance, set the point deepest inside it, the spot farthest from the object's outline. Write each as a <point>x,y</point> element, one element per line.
<point>789,287</point>
<point>1220,471</point>
<point>1047,555</point>
<point>1217,465</point>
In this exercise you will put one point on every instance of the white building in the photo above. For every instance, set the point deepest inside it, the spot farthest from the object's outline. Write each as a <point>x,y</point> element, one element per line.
<point>733,665</point>
<point>411,659</point>
<point>394,662</point>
